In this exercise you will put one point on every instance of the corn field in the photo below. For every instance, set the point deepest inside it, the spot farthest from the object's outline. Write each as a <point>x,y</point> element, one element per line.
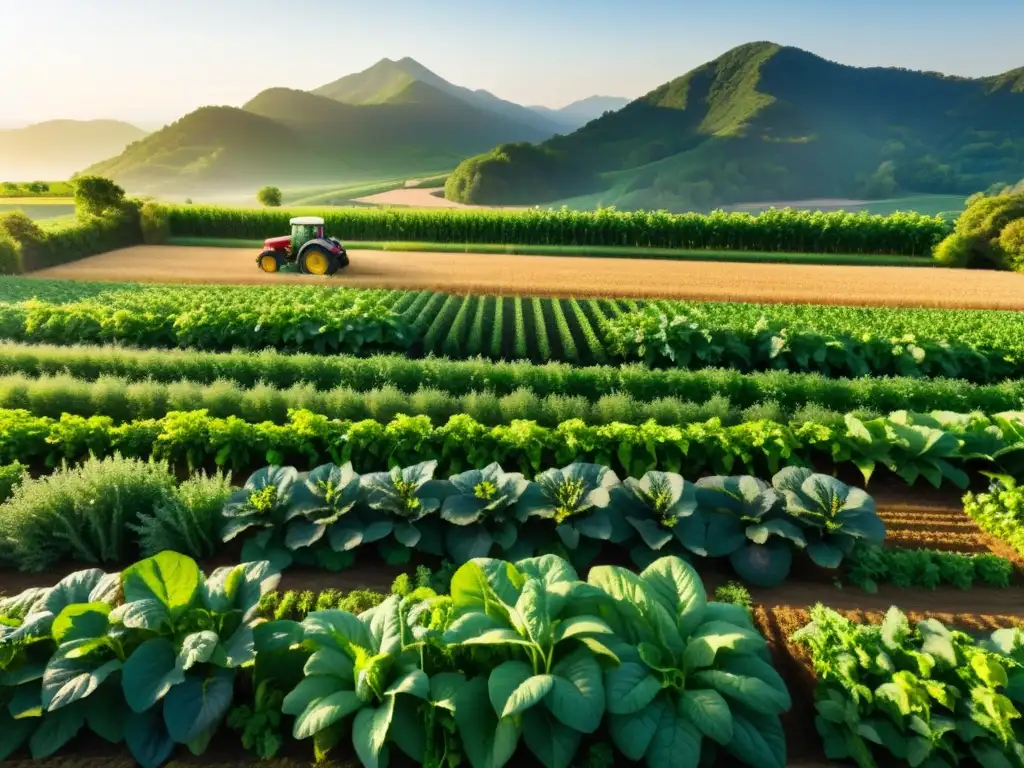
<point>778,231</point>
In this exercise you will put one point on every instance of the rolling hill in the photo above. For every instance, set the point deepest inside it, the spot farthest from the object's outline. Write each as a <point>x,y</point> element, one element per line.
<point>56,149</point>
<point>767,122</point>
<point>290,137</point>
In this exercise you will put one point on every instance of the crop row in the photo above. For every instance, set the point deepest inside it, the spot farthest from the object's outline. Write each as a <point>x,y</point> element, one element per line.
<point>459,378</point>
<point>901,694</point>
<point>153,657</point>
<point>661,334</point>
<point>1000,512</point>
<point>774,230</point>
<point>937,447</point>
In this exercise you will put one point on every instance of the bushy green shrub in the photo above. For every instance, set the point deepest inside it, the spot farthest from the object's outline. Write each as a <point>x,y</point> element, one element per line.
<point>978,240</point>
<point>10,255</point>
<point>188,520</point>
<point>11,476</point>
<point>154,221</point>
<point>95,195</point>
<point>82,513</point>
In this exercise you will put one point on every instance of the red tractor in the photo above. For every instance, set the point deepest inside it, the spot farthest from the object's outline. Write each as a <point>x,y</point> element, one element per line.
<point>306,248</point>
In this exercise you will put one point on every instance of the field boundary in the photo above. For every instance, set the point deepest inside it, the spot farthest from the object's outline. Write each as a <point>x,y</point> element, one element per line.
<point>608,252</point>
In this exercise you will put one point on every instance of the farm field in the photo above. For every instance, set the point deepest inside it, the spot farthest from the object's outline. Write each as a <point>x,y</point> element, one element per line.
<point>553,276</point>
<point>519,510</point>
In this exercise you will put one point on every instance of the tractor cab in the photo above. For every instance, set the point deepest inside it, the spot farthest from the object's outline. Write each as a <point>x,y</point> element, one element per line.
<point>304,229</point>
<point>306,247</point>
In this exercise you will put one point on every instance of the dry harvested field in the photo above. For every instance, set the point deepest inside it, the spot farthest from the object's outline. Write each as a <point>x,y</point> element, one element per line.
<point>575,276</point>
<point>422,198</point>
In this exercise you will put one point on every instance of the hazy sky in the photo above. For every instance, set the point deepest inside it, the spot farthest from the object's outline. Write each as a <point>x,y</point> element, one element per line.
<point>155,60</point>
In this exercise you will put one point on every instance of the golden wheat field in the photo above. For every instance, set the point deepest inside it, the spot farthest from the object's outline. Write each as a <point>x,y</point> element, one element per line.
<point>575,276</point>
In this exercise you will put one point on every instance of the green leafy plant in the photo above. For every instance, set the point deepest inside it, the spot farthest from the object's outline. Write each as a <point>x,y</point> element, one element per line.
<point>734,593</point>
<point>662,507</point>
<point>894,693</point>
<point>999,512</point>
<point>550,691</point>
<point>483,511</point>
<point>694,674</point>
<point>746,521</point>
<point>833,515</point>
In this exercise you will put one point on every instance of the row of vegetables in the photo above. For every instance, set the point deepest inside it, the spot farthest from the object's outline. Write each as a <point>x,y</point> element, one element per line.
<point>519,659</point>
<point>939,447</point>
<point>324,517</point>
<point>660,334</point>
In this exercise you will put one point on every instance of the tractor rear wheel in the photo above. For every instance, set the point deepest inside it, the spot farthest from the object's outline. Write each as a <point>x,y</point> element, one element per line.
<point>317,261</point>
<point>269,261</point>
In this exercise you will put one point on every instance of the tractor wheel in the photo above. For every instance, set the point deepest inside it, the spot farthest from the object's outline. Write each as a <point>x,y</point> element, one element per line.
<point>269,261</point>
<point>317,261</point>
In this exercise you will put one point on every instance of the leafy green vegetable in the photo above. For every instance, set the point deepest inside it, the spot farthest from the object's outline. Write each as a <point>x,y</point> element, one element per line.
<point>483,511</point>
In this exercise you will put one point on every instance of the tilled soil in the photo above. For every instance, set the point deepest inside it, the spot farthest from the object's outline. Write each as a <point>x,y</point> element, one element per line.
<point>574,276</point>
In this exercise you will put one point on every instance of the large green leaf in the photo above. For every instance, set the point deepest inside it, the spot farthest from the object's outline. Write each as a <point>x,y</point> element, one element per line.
<point>308,690</point>
<point>577,698</point>
<point>677,586</point>
<point>471,590</point>
<point>69,679</point>
<point>336,629</point>
<point>170,578</point>
<point>197,648</point>
<point>13,733</point>
<point>709,712</point>
<point>106,713</point>
<point>370,731</point>
<point>757,739</point>
<point>504,680</point>
<point>629,687</point>
<point>714,636</point>
<point>147,739</point>
<point>81,621</point>
<point>632,734</point>
<point>196,707</point>
<point>322,712</point>
<point>488,741</point>
<point>552,743</point>
<point>749,680</point>
<point>676,742</point>
<point>149,673</point>
<point>56,729</point>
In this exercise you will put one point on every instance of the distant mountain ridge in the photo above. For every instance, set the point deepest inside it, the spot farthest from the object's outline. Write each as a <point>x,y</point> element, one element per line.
<point>770,122</point>
<point>55,149</point>
<point>581,112</point>
<point>396,117</point>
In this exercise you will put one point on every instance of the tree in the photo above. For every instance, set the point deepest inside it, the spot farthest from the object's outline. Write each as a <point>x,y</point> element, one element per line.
<point>269,196</point>
<point>38,187</point>
<point>96,195</point>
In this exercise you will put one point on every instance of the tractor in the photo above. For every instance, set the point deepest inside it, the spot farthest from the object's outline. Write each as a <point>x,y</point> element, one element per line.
<point>306,248</point>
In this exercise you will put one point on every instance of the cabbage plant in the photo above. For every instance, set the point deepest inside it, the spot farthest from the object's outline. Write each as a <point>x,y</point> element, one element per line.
<point>550,690</point>
<point>483,512</point>
<point>264,502</point>
<point>578,499</point>
<point>404,504</point>
<point>694,676</point>
<point>747,522</point>
<point>662,508</point>
<point>833,515</point>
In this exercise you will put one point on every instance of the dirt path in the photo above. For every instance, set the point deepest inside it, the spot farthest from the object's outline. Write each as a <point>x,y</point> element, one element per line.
<point>576,276</point>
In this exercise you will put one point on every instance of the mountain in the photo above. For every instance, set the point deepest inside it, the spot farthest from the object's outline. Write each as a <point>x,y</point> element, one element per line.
<point>289,137</point>
<point>381,82</point>
<point>581,112</point>
<point>55,149</point>
<point>766,122</point>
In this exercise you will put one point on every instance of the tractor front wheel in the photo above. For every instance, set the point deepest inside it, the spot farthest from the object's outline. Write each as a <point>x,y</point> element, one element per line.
<point>269,261</point>
<point>316,261</point>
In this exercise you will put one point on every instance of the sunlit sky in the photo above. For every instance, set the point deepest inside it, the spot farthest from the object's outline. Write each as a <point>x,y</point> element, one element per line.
<point>151,61</point>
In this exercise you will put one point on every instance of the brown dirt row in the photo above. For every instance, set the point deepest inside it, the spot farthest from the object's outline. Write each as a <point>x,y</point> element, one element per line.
<point>563,276</point>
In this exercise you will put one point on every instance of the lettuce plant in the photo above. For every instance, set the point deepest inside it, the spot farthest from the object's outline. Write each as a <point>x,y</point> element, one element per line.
<point>483,511</point>
<point>694,675</point>
<point>833,515</point>
<point>549,691</point>
<point>746,521</point>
